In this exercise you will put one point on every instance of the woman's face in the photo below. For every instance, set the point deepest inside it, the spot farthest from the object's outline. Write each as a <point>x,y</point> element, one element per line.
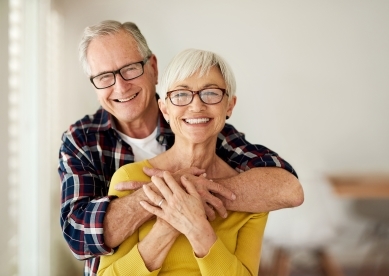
<point>198,122</point>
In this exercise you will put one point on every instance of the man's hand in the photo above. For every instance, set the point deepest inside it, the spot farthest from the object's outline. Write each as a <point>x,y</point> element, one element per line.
<point>135,185</point>
<point>210,192</point>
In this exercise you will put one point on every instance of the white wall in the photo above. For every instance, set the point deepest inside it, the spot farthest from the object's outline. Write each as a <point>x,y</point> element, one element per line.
<point>312,75</point>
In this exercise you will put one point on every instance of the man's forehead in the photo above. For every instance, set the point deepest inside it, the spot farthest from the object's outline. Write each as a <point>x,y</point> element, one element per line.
<point>110,52</point>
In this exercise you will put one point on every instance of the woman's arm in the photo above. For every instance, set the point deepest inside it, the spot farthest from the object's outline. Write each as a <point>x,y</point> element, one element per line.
<point>226,259</point>
<point>140,258</point>
<point>184,211</point>
<point>144,257</point>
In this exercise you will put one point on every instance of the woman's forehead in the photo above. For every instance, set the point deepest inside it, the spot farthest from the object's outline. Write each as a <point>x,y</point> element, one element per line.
<point>212,77</point>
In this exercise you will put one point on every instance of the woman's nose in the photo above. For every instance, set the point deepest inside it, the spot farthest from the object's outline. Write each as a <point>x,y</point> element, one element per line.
<point>197,104</point>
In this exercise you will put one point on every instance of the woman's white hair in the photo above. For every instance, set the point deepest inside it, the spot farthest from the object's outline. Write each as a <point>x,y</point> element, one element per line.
<point>191,61</point>
<point>109,27</point>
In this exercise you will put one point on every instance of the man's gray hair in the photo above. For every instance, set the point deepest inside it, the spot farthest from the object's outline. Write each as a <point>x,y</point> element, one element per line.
<point>109,27</point>
<point>191,61</point>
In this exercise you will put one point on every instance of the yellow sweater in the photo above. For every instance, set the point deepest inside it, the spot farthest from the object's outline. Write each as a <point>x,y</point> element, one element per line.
<point>236,251</point>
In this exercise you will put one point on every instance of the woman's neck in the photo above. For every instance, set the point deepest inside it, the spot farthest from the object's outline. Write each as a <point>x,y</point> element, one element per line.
<point>183,155</point>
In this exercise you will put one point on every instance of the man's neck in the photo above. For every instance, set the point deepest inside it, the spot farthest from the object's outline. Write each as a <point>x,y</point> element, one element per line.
<point>141,127</point>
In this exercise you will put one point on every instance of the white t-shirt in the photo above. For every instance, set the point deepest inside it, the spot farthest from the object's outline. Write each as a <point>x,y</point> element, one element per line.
<point>144,148</point>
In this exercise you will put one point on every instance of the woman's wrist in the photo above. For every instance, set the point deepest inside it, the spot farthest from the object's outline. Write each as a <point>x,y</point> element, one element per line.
<point>202,240</point>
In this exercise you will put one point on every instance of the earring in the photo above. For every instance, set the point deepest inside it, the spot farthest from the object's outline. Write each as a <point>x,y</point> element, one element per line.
<point>227,117</point>
<point>168,122</point>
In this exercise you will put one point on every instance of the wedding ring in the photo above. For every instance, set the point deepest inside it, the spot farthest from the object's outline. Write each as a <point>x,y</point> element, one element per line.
<point>160,203</point>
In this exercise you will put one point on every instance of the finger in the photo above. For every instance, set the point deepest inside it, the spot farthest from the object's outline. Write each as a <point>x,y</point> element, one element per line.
<point>189,186</point>
<point>162,186</point>
<point>153,172</point>
<point>131,185</point>
<point>209,197</point>
<point>171,182</point>
<point>217,188</point>
<point>192,170</point>
<point>196,171</point>
<point>209,212</point>
<point>153,196</point>
<point>217,204</point>
<point>151,209</point>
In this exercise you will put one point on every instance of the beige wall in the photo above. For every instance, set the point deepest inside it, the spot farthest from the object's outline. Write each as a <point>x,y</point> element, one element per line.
<point>5,226</point>
<point>5,230</point>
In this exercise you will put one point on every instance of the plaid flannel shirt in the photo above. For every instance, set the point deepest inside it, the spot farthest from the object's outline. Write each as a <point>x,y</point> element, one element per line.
<point>92,151</point>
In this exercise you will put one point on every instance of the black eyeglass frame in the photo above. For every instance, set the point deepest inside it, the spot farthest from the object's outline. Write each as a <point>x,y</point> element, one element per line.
<point>197,93</point>
<point>142,62</point>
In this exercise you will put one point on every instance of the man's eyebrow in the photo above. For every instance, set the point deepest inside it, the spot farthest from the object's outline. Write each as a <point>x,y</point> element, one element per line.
<point>113,71</point>
<point>103,72</point>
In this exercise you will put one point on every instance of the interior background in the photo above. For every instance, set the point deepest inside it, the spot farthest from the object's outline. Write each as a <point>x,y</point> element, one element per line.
<point>312,84</point>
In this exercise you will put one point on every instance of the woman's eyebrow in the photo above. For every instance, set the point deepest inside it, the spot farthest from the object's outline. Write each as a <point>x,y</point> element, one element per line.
<point>202,87</point>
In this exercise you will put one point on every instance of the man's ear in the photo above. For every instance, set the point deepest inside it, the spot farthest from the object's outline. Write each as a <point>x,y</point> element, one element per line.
<point>163,108</point>
<point>154,65</point>
<point>231,105</point>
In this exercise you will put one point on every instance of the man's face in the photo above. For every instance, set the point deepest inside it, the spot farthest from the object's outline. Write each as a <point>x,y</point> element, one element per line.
<point>128,101</point>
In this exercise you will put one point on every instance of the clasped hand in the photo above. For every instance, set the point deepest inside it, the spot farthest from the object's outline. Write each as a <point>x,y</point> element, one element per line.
<point>209,191</point>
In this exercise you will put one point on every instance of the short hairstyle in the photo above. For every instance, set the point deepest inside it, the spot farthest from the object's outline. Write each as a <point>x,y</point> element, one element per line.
<point>109,27</point>
<point>191,61</point>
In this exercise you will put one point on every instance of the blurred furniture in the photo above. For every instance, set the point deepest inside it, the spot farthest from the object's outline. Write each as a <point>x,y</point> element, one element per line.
<point>299,239</point>
<point>369,190</point>
<point>363,186</point>
<point>281,264</point>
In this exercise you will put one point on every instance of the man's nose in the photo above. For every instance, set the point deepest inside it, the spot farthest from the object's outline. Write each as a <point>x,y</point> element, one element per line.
<point>121,85</point>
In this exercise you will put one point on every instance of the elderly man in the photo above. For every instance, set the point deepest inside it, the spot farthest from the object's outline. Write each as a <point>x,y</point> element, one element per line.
<point>129,127</point>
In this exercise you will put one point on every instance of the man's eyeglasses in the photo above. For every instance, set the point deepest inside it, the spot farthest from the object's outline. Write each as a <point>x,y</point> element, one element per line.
<point>128,72</point>
<point>183,97</point>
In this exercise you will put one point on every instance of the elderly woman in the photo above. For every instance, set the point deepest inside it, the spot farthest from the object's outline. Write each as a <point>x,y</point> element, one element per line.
<point>197,95</point>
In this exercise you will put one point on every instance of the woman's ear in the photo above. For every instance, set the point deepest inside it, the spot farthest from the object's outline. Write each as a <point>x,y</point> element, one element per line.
<point>163,108</point>
<point>230,107</point>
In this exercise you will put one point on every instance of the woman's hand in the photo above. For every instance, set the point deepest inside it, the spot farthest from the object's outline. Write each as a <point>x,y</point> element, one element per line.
<point>210,192</point>
<point>182,208</point>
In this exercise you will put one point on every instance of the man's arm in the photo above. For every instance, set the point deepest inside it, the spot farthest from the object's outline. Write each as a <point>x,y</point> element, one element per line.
<point>257,190</point>
<point>123,217</point>
<point>92,222</point>
<point>263,190</point>
<point>83,204</point>
<point>266,181</point>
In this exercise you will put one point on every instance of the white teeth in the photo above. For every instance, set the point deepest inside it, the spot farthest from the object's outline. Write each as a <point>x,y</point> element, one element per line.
<point>123,100</point>
<point>197,121</point>
<point>127,99</point>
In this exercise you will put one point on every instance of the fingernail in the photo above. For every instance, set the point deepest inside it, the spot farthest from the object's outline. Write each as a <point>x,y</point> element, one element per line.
<point>118,187</point>
<point>233,196</point>
<point>225,215</point>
